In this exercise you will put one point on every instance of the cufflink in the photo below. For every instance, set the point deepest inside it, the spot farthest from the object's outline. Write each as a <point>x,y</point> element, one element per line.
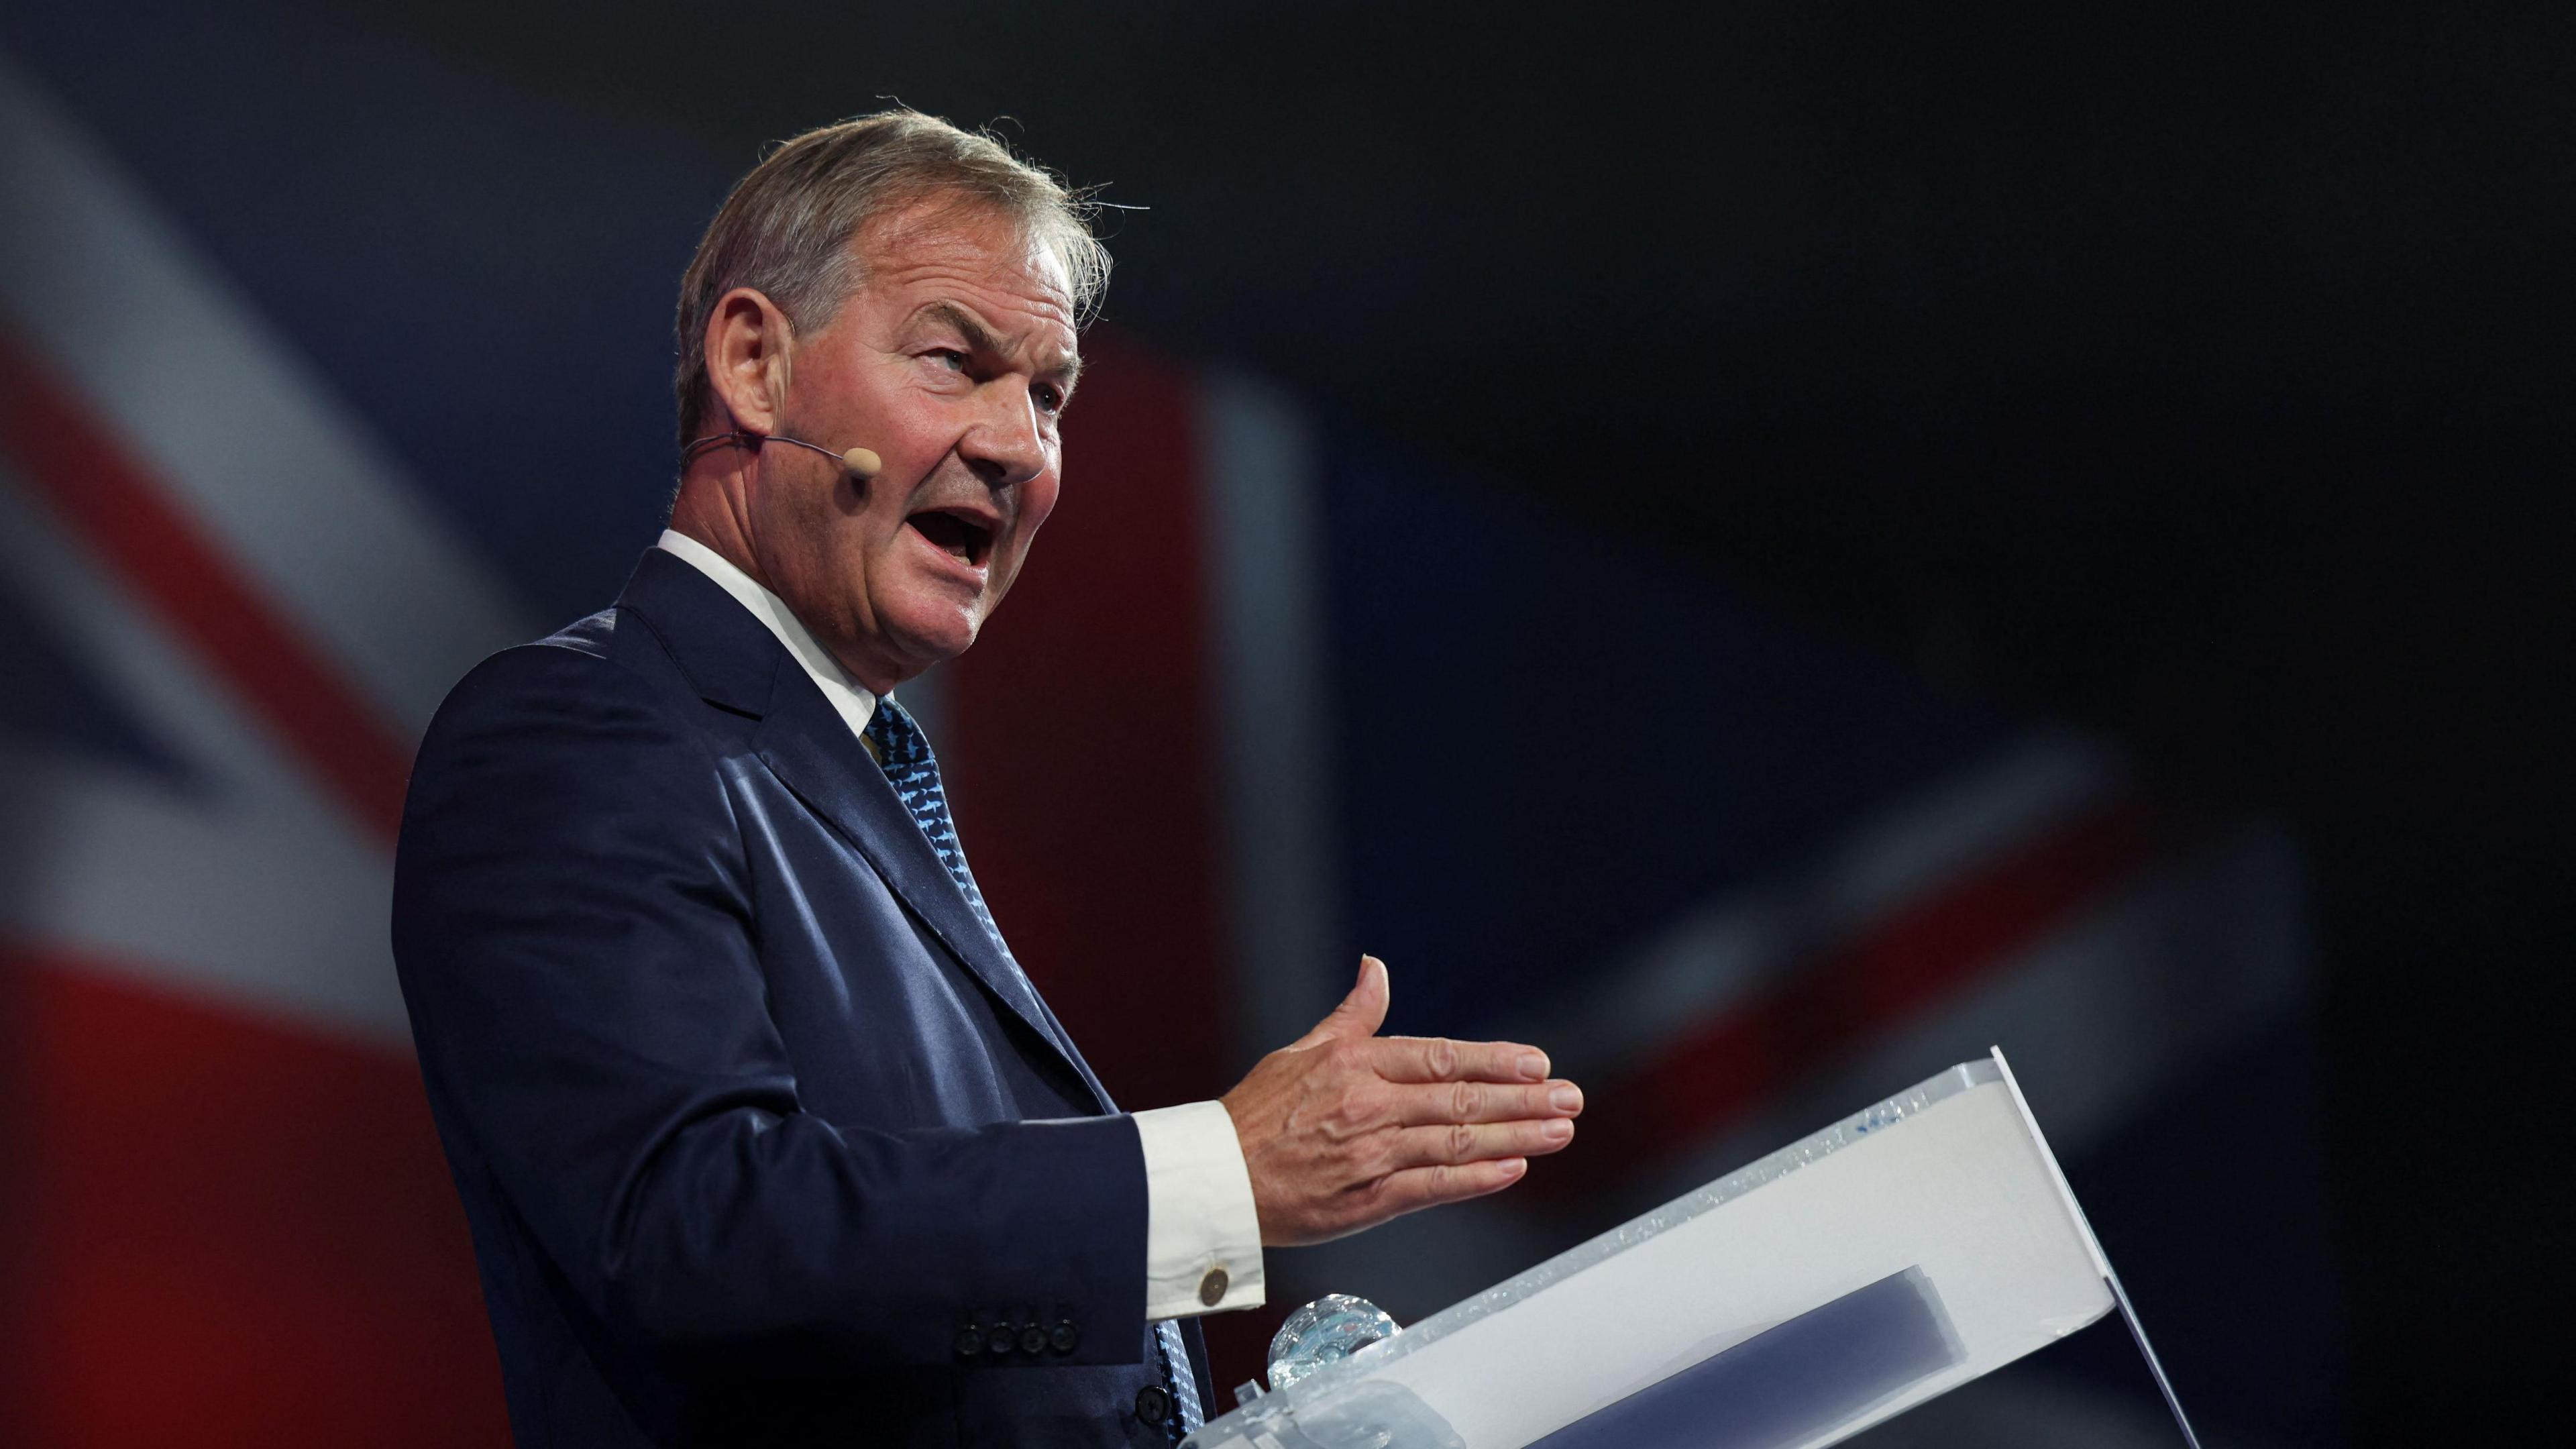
<point>1212,1287</point>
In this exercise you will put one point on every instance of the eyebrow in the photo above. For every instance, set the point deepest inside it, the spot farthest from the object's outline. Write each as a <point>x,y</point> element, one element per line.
<point>980,338</point>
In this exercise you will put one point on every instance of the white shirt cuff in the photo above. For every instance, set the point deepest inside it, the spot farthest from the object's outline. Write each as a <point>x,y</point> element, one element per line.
<point>1202,1234</point>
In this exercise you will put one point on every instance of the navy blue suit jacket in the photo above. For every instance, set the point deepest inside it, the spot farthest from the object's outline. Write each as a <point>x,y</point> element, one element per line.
<point>757,1131</point>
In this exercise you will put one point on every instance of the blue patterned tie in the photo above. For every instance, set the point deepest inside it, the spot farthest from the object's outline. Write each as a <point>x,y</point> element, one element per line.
<point>904,751</point>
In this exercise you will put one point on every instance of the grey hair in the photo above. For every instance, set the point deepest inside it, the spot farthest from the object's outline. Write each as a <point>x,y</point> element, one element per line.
<point>786,231</point>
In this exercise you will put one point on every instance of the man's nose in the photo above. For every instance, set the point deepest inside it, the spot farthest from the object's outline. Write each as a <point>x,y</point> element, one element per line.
<point>1005,446</point>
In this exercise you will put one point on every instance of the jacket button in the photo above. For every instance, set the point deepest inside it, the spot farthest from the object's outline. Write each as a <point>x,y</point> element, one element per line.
<point>1033,1339</point>
<point>1153,1405</point>
<point>1064,1336</point>
<point>970,1341</point>
<point>1001,1339</point>
<point>1212,1287</point>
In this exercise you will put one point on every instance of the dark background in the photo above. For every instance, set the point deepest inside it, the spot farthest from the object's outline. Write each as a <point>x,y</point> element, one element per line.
<point>2194,373</point>
<point>2198,372</point>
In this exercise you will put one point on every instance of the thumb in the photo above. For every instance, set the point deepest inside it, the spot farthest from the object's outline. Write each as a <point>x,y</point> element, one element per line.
<point>1363,1011</point>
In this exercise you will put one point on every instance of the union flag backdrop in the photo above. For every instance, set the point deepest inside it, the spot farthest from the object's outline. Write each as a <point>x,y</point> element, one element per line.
<point>311,395</point>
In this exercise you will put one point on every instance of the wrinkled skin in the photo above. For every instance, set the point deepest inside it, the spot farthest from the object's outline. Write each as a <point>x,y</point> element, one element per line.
<point>953,361</point>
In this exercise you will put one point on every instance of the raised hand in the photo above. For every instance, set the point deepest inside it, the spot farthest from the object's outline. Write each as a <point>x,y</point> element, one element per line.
<point>1343,1129</point>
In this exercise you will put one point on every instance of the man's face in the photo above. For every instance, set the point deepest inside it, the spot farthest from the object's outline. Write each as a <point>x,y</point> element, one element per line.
<point>953,361</point>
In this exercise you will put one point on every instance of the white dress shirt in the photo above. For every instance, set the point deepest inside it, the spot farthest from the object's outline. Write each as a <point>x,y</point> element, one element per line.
<point>1202,1234</point>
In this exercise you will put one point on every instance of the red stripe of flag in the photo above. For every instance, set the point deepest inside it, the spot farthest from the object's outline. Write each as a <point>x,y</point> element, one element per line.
<point>1922,955</point>
<point>76,464</point>
<point>216,1229</point>
<point>1084,760</point>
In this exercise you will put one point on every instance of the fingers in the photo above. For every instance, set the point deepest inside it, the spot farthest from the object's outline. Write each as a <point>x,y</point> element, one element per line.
<point>1438,1059</point>
<point>1344,1128</point>
<point>1462,1142</point>
<point>1362,1012</point>
<point>1451,1164</point>
<point>1442,1103</point>
<point>1422,1187</point>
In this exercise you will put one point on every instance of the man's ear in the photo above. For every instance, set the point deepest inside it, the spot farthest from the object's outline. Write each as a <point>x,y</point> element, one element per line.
<point>749,346</point>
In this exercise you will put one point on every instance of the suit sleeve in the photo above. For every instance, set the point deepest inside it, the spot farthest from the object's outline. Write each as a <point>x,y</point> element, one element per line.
<point>572,927</point>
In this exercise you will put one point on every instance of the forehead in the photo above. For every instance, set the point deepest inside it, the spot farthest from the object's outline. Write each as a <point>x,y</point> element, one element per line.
<point>974,257</point>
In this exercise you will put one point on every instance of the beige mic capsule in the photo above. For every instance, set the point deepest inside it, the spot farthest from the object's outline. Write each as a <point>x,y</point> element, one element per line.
<point>861,464</point>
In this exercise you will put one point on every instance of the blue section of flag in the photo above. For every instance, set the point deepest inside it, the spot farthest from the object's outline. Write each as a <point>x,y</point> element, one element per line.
<point>487,279</point>
<point>55,703</point>
<point>1552,744</point>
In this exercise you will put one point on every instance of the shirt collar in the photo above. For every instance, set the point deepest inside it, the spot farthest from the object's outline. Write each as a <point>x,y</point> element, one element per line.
<point>849,698</point>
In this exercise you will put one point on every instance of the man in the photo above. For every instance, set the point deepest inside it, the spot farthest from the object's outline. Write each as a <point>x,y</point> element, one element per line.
<point>763,1135</point>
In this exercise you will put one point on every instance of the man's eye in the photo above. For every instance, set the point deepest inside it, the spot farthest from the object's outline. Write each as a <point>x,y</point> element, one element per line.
<point>950,358</point>
<point>1050,399</point>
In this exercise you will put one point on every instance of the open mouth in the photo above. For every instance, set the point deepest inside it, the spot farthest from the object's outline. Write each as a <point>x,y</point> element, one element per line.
<point>961,536</point>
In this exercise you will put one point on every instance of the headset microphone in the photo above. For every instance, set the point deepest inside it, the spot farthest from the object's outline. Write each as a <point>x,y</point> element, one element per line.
<point>860,463</point>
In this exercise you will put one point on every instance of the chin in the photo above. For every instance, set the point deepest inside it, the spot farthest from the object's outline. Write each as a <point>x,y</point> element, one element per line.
<point>937,634</point>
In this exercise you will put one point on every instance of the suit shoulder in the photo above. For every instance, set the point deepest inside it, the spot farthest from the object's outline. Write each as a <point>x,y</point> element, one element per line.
<point>595,706</point>
<point>610,657</point>
<point>568,748</point>
<point>602,686</point>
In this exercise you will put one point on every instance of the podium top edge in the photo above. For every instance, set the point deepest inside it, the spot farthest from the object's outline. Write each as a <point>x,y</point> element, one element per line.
<point>1882,1116</point>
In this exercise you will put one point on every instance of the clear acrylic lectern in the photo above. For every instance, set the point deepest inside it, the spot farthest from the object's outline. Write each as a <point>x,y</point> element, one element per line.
<point>1832,1285</point>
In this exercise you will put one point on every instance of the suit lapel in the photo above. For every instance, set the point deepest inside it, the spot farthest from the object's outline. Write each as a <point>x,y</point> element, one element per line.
<point>737,663</point>
<point>805,742</point>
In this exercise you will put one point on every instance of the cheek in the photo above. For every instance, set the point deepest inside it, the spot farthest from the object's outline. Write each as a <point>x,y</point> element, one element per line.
<point>1036,506</point>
